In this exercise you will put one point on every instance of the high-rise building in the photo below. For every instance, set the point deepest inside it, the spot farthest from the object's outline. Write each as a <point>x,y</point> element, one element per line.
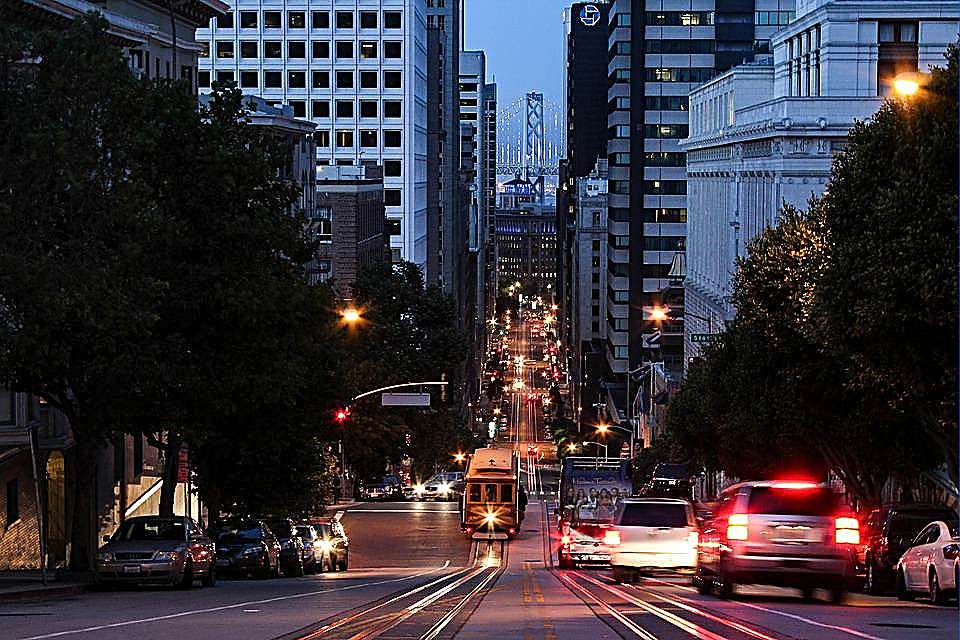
<point>490,196</point>
<point>357,69</point>
<point>446,224</point>
<point>657,54</point>
<point>586,87</point>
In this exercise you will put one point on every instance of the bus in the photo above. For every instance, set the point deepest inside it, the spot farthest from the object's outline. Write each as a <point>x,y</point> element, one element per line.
<point>587,480</point>
<point>489,508</point>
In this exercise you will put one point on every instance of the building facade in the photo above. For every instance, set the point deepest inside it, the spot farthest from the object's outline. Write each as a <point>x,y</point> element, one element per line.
<point>358,70</point>
<point>349,226</point>
<point>526,245</point>
<point>765,134</point>
<point>657,52</point>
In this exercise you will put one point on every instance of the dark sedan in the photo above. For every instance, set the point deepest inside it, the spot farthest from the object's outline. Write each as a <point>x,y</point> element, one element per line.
<point>293,555</point>
<point>247,547</point>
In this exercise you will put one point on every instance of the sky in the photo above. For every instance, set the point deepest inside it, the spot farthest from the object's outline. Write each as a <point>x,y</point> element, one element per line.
<point>523,40</point>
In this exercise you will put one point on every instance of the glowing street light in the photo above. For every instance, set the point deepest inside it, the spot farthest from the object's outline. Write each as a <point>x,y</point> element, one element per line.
<point>571,447</point>
<point>459,457</point>
<point>603,428</point>
<point>350,315</point>
<point>659,313</point>
<point>906,84</point>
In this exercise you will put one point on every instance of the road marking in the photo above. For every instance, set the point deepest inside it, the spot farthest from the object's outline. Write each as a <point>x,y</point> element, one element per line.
<point>238,605</point>
<point>793,616</point>
<point>625,621</point>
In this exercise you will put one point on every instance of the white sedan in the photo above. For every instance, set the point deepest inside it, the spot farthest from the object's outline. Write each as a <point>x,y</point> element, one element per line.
<point>930,566</point>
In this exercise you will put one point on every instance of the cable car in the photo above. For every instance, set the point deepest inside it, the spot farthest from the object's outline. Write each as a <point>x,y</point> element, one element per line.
<point>490,504</point>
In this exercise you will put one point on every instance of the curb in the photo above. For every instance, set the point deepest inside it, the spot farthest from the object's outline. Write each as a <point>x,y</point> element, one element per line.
<point>44,593</point>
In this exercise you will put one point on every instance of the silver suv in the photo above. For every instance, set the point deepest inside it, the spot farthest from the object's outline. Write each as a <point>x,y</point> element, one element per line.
<point>651,535</point>
<point>788,534</point>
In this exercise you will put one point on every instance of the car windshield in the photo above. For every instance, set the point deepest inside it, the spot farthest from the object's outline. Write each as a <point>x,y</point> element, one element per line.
<point>651,514</point>
<point>305,532</point>
<point>817,501</point>
<point>243,532</point>
<point>906,526</point>
<point>151,529</point>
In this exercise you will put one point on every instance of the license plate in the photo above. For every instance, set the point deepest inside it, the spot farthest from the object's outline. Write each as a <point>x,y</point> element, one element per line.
<point>131,568</point>
<point>223,562</point>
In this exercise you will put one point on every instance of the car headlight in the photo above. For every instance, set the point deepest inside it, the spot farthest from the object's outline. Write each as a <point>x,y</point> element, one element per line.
<point>325,545</point>
<point>104,556</point>
<point>252,551</point>
<point>444,488</point>
<point>418,488</point>
<point>166,556</point>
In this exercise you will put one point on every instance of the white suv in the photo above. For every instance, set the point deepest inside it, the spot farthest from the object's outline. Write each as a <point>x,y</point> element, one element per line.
<point>652,534</point>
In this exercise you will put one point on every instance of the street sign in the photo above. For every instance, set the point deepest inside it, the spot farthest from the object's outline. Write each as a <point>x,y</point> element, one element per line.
<point>704,337</point>
<point>405,400</point>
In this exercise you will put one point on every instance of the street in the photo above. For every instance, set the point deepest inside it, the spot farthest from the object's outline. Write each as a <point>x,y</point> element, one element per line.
<point>414,575</point>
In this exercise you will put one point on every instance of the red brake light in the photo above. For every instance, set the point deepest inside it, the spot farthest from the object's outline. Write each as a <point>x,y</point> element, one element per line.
<point>848,530</point>
<point>795,485</point>
<point>565,540</point>
<point>737,527</point>
<point>611,537</point>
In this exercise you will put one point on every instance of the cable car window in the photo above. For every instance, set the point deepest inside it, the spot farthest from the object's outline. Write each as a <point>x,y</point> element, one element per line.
<point>474,493</point>
<point>490,494</point>
<point>506,493</point>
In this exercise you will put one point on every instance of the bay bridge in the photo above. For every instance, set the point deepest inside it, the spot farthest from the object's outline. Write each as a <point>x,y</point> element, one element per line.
<point>530,136</point>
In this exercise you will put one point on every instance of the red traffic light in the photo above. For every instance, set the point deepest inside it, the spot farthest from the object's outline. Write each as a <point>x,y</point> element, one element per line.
<point>341,415</point>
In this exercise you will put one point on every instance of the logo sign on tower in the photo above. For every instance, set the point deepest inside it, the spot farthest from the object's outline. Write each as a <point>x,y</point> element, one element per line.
<point>589,15</point>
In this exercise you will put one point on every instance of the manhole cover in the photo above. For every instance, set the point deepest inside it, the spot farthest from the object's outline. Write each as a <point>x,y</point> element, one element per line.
<point>901,625</point>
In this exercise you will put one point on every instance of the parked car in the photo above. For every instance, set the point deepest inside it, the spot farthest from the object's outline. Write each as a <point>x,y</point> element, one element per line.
<point>334,544</point>
<point>929,566</point>
<point>669,481</point>
<point>583,531</point>
<point>292,551</point>
<point>650,535</point>
<point>381,488</point>
<point>157,550</point>
<point>886,534</point>
<point>247,546</point>
<point>313,548</point>
<point>788,534</point>
<point>442,486</point>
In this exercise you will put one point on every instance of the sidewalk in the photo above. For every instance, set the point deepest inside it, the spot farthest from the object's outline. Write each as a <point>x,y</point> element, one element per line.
<point>26,585</point>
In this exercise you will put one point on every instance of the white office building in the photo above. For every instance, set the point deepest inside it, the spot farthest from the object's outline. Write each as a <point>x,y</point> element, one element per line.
<point>766,133</point>
<point>357,68</point>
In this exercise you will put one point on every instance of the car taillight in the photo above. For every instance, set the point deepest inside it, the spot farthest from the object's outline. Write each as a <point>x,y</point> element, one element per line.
<point>848,530</point>
<point>737,527</point>
<point>565,540</point>
<point>951,551</point>
<point>611,538</point>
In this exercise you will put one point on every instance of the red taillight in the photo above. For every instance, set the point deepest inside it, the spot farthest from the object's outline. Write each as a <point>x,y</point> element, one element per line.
<point>565,540</point>
<point>738,527</point>
<point>512,531</point>
<point>611,538</point>
<point>793,484</point>
<point>469,530</point>
<point>848,530</point>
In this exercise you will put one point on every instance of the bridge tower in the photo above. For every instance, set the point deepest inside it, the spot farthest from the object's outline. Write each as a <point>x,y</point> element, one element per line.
<point>533,138</point>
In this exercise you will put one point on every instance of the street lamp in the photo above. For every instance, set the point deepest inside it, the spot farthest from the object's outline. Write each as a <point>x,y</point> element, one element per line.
<point>659,313</point>
<point>459,457</point>
<point>350,315</point>
<point>599,444</point>
<point>602,429</point>
<point>906,84</point>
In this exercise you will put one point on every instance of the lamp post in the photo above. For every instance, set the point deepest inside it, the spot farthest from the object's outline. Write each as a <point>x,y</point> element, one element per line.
<point>599,444</point>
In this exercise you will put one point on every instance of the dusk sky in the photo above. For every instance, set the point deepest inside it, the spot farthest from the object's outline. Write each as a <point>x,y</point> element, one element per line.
<point>523,40</point>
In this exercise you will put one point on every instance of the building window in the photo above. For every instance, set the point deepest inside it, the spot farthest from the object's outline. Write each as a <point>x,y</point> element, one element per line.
<point>248,49</point>
<point>321,80</point>
<point>296,20</point>
<point>272,20</point>
<point>391,197</point>
<point>391,109</point>
<point>320,19</point>
<point>224,77</point>
<point>249,79</point>
<point>392,49</point>
<point>392,20</point>
<point>392,168</point>
<point>664,159</point>
<point>666,131</point>
<point>686,46</point>
<point>344,108</point>
<point>273,80</point>
<point>296,49</point>
<point>665,103</point>
<point>368,50</point>
<point>662,243</point>
<point>320,109</point>
<point>679,18</point>
<point>773,18</point>
<point>665,215</point>
<point>297,79</point>
<point>392,225</point>
<point>665,187</point>
<point>368,19</point>
<point>272,49</point>
<point>344,139</point>
<point>203,79</point>
<point>225,49</point>
<point>322,136</point>
<point>344,19</point>
<point>391,79</point>
<point>391,138</point>
<point>225,21</point>
<point>13,501</point>
<point>248,19</point>
<point>368,108</point>
<point>344,50</point>
<point>299,108</point>
<point>344,80</point>
<point>368,137</point>
<point>323,219</point>
<point>321,49</point>
<point>368,79</point>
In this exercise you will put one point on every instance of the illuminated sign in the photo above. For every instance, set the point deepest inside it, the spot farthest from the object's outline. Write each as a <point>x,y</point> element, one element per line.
<point>589,15</point>
<point>517,189</point>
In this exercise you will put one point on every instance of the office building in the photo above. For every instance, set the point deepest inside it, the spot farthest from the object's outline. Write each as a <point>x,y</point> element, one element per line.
<point>490,196</point>
<point>657,55</point>
<point>766,133</point>
<point>358,70</point>
<point>526,245</point>
<point>586,87</point>
<point>349,226</point>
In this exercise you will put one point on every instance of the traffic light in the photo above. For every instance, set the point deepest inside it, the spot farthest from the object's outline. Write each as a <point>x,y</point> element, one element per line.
<point>341,415</point>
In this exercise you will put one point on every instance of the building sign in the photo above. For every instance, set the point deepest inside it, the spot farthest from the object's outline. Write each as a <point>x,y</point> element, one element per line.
<point>517,189</point>
<point>704,337</point>
<point>589,15</point>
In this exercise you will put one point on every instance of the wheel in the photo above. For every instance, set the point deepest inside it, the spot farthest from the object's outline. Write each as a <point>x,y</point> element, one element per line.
<point>724,583</point>
<point>342,564</point>
<point>186,580</point>
<point>702,584</point>
<point>618,575</point>
<point>210,578</point>
<point>325,564</point>
<point>871,584</point>
<point>299,570</point>
<point>902,592</point>
<point>807,593</point>
<point>564,562</point>
<point>937,596</point>
<point>276,571</point>
<point>838,594</point>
